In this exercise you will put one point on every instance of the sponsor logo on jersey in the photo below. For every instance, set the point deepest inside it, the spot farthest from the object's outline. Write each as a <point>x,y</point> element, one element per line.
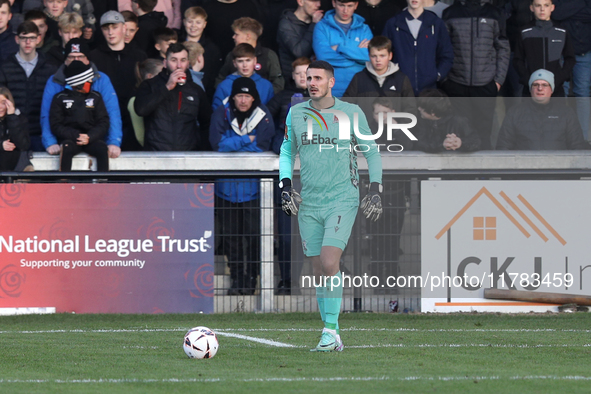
<point>316,116</point>
<point>317,139</point>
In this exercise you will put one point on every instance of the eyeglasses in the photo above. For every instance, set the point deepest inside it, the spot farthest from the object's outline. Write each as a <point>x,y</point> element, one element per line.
<point>536,85</point>
<point>27,39</point>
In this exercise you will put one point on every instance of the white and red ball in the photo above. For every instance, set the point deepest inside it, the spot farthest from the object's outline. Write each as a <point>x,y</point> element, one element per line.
<point>200,342</point>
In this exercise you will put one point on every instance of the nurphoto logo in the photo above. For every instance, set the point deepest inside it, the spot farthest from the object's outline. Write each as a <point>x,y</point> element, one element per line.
<point>316,116</point>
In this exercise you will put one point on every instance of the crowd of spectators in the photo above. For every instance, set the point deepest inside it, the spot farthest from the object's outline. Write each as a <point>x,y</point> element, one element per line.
<point>468,50</point>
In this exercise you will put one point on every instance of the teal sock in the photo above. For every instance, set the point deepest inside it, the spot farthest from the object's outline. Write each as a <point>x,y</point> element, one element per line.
<point>321,298</point>
<point>332,303</point>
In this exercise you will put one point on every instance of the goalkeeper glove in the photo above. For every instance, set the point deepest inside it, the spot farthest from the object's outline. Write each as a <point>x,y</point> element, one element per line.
<point>371,205</point>
<point>290,199</point>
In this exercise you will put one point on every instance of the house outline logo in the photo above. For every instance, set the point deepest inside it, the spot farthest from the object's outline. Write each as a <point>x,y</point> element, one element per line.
<point>496,202</point>
<point>485,192</point>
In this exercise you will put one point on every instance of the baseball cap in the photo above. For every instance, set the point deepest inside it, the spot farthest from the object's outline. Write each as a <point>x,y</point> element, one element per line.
<point>110,17</point>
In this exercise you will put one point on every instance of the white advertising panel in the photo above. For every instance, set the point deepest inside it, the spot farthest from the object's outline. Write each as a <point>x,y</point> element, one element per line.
<point>532,236</point>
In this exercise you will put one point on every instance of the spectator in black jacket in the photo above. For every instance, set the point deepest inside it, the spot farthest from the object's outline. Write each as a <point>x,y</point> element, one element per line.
<point>376,13</point>
<point>70,26</point>
<point>148,21</point>
<point>118,60</point>
<point>48,30</point>
<point>540,123</point>
<point>16,9</point>
<point>439,129</point>
<point>84,8</point>
<point>52,11</point>
<point>163,37</point>
<point>294,93</point>
<point>381,78</point>
<point>8,46</point>
<point>519,15</point>
<point>247,31</point>
<point>280,104</point>
<point>544,45</point>
<point>295,32</point>
<point>131,25</point>
<point>176,111</point>
<point>26,74</point>
<point>221,16</point>
<point>195,21</point>
<point>102,6</point>
<point>13,132</point>
<point>481,61</point>
<point>79,118</point>
<point>575,17</point>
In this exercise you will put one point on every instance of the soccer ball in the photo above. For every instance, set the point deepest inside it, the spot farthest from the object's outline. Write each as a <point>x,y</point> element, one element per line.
<point>200,342</point>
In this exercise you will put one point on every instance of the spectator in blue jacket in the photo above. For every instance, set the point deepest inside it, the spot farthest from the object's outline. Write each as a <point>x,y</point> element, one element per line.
<point>421,44</point>
<point>242,124</point>
<point>77,49</point>
<point>341,38</point>
<point>244,61</point>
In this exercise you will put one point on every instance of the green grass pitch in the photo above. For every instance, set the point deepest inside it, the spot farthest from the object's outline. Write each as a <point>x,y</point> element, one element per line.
<point>269,353</point>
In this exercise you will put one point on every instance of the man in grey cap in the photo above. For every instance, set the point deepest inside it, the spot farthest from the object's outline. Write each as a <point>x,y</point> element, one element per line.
<point>118,60</point>
<point>541,123</point>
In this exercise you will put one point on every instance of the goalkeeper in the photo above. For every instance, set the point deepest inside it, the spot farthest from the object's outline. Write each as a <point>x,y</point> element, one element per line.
<point>328,203</point>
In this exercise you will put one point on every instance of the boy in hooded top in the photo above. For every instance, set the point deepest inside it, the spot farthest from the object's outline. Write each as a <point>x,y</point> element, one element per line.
<point>244,61</point>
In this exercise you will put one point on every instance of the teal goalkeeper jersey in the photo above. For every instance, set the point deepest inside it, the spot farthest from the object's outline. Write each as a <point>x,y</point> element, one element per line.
<point>328,165</point>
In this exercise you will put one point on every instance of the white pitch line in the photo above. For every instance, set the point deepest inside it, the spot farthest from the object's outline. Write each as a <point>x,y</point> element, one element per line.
<point>456,345</point>
<point>416,330</point>
<point>269,342</point>
<point>351,329</point>
<point>217,331</point>
<point>254,339</point>
<point>303,379</point>
<point>105,331</point>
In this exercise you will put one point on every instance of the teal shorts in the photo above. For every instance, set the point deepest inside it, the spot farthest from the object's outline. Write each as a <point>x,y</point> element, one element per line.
<point>326,227</point>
